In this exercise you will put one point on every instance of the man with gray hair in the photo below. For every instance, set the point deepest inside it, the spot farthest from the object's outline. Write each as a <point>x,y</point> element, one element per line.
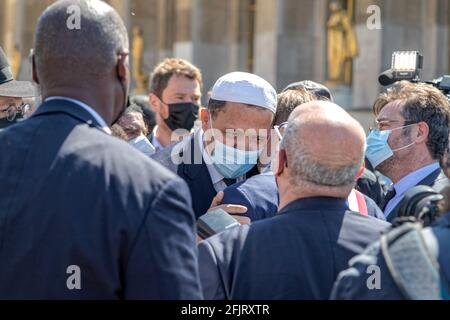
<point>84,215</point>
<point>298,253</point>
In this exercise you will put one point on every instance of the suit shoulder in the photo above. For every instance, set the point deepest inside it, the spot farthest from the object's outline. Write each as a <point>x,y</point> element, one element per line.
<point>356,221</point>
<point>224,243</point>
<point>256,184</point>
<point>96,150</point>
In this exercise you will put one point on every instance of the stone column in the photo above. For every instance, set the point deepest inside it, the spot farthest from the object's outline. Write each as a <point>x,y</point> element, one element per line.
<point>183,45</point>
<point>290,42</point>
<point>123,8</point>
<point>8,21</point>
<point>213,35</point>
<point>165,28</point>
<point>28,15</point>
<point>368,65</point>
<point>266,39</point>
<point>423,26</point>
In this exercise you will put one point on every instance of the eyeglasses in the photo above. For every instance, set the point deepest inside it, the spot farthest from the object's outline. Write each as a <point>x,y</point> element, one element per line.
<point>13,110</point>
<point>280,130</point>
<point>378,125</point>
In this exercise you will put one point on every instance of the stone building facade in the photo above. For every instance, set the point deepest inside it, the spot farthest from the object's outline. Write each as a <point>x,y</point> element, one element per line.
<point>281,40</point>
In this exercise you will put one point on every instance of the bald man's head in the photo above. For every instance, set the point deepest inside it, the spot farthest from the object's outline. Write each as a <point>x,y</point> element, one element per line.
<point>324,145</point>
<point>64,53</point>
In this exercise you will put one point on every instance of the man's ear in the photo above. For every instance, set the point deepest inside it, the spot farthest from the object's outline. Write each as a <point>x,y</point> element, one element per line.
<point>122,67</point>
<point>422,132</point>
<point>282,163</point>
<point>154,102</point>
<point>34,70</point>
<point>361,171</point>
<point>205,118</point>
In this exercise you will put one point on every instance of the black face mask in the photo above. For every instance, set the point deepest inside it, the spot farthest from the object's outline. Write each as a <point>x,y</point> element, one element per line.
<point>182,116</point>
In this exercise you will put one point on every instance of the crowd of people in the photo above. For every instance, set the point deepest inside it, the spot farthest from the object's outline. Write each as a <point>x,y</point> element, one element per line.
<point>101,191</point>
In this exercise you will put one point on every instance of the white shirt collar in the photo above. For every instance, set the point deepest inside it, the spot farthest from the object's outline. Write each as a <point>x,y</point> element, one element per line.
<point>89,109</point>
<point>216,177</point>
<point>155,142</point>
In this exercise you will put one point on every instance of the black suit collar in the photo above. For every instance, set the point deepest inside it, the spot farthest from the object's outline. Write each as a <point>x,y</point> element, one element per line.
<point>431,178</point>
<point>69,108</point>
<point>192,157</point>
<point>316,203</point>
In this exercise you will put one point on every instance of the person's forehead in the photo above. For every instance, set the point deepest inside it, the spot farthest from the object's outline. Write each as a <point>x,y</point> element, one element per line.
<point>241,116</point>
<point>391,112</point>
<point>6,100</point>
<point>3,98</point>
<point>179,84</point>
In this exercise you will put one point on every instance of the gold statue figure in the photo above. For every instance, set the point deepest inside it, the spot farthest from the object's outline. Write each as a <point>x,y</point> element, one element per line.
<point>137,53</point>
<point>342,45</point>
<point>16,61</point>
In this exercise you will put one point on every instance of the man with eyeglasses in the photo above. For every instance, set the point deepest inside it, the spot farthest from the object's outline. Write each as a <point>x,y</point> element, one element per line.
<point>410,139</point>
<point>298,253</point>
<point>12,92</point>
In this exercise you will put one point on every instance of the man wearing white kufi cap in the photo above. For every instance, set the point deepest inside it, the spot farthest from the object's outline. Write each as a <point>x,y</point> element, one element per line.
<point>235,130</point>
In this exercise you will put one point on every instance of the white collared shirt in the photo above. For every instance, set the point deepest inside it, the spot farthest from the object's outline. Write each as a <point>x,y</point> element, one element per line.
<point>155,142</point>
<point>216,177</point>
<point>89,109</point>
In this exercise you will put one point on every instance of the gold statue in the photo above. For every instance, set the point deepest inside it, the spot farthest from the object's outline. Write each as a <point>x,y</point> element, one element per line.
<point>342,45</point>
<point>137,52</point>
<point>16,61</point>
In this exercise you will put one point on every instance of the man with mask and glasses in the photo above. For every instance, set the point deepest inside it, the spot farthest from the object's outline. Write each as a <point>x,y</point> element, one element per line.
<point>410,139</point>
<point>12,92</point>
<point>175,95</point>
<point>90,215</point>
<point>298,253</point>
<point>259,194</point>
<point>226,150</point>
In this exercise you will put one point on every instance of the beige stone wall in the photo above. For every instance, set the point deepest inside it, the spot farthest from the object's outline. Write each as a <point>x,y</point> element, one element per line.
<point>287,38</point>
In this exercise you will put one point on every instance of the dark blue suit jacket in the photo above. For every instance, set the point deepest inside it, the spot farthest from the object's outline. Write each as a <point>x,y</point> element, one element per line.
<point>295,255</point>
<point>260,195</point>
<point>436,180</point>
<point>71,195</point>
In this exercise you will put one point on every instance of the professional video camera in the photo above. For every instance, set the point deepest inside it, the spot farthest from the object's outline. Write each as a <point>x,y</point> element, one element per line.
<point>421,204</point>
<point>406,65</point>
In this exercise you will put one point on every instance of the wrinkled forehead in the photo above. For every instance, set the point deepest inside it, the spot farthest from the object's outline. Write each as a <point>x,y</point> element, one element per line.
<point>9,100</point>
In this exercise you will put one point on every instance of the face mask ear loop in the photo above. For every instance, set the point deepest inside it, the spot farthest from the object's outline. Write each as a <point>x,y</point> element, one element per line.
<point>409,145</point>
<point>405,147</point>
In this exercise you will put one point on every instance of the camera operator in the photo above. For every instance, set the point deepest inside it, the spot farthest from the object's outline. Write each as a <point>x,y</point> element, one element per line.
<point>411,137</point>
<point>412,263</point>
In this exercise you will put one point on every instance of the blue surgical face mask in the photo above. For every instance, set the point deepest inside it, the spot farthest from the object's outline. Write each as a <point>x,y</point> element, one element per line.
<point>378,149</point>
<point>231,162</point>
<point>142,144</point>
